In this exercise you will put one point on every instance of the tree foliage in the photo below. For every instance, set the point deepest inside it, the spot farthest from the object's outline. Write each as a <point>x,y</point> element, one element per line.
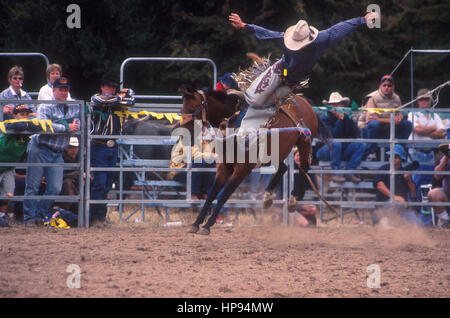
<point>112,31</point>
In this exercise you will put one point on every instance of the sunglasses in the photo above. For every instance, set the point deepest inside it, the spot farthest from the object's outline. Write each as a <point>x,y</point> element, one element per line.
<point>16,78</point>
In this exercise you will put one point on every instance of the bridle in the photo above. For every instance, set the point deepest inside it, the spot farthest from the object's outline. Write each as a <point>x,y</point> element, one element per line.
<point>186,118</point>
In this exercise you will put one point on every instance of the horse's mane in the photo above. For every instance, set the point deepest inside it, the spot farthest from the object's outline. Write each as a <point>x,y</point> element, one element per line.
<point>221,96</point>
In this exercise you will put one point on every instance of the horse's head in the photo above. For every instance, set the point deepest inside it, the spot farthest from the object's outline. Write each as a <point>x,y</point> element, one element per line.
<point>209,106</point>
<point>195,105</point>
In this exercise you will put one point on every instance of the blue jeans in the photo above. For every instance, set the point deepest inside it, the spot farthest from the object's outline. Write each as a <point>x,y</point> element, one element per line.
<point>375,130</point>
<point>35,210</point>
<point>350,152</point>
<point>101,156</point>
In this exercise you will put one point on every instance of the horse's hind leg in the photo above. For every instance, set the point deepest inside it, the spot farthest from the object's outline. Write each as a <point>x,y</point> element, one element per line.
<point>223,174</point>
<point>274,181</point>
<point>235,180</point>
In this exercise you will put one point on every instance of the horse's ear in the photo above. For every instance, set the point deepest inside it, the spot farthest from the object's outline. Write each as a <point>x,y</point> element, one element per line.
<point>186,90</point>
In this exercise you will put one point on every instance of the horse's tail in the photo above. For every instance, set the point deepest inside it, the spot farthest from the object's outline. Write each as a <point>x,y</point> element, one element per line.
<point>323,133</point>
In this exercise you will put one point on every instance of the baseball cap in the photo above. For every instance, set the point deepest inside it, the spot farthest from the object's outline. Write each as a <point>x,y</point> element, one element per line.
<point>61,82</point>
<point>73,142</point>
<point>22,108</point>
<point>387,78</point>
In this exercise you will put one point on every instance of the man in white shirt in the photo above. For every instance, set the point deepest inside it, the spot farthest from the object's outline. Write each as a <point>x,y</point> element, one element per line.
<point>426,126</point>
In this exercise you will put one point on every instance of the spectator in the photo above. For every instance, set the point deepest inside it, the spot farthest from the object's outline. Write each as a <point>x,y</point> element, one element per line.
<point>405,189</point>
<point>341,126</point>
<point>203,157</point>
<point>377,126</point>
<point>14,92</point>
<point>104,152</point>
<point>70,184</point>
<point>52,72</point>
<point>48,149</point>
<point>307,211</point>
<point>442,194</point>
<point>427,126</point>
<point>13,149</point>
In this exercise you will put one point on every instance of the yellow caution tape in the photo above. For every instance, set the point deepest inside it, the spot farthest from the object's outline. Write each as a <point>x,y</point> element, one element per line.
<point>169,116</point>
<point>44,123</point>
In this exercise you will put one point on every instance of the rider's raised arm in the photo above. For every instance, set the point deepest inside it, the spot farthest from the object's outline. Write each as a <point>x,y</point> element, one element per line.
<point>263,34</point>
<point>259,32</point>
<point>337,32</point>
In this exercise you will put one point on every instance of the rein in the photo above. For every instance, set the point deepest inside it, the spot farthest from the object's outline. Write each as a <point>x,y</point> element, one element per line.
<point>320,196</point>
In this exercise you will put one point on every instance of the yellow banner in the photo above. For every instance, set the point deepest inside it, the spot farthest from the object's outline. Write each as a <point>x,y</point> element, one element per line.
<point>380,110</point>
<point>44,123</point>
<point>169,116</point>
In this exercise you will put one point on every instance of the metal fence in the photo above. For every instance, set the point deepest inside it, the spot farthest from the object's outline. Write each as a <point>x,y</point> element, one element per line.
<point>185,200</point>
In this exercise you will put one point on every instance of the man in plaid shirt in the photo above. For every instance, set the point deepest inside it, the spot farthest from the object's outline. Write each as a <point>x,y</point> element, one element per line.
<point>49,149</point>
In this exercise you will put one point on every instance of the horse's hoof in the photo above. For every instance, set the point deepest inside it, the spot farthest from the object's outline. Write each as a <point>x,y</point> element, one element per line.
<point>292,204</point>
<point>267,200</point>
<point>193,229</point>
<point>204,231</point>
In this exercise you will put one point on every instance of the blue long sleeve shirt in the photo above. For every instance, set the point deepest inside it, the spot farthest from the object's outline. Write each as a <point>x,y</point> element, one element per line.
<point>345,128</point>
<point>299,64</point>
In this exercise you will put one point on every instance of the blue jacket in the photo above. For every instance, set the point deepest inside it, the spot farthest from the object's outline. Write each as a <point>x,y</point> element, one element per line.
<point>299,64</point>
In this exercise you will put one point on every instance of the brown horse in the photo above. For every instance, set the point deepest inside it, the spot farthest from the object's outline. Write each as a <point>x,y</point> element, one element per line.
<point>213,107</point>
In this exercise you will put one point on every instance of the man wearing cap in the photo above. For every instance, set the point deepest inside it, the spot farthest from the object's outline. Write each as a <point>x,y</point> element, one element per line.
<point>13,148</point>
<point>427,126</point>
<point>302,47</point>
<point>341,126</point>
<point>377,125</point>
<point>71,177</point>
<point>48,148</point>
<point>104,152</point>
<point>405,188</point>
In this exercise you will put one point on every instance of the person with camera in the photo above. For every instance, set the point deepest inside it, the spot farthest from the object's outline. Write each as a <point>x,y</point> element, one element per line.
<point>104,152</point>
<point>442,194</point>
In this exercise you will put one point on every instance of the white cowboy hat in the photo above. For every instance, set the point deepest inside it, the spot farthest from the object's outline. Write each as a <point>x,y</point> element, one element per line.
<point>299,35</point>
<point>336,98</point>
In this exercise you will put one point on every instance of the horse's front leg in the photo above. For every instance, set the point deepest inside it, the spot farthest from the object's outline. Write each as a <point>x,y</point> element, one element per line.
<point>235,180</point>
<point>274,181</point>
<point>222,175</point>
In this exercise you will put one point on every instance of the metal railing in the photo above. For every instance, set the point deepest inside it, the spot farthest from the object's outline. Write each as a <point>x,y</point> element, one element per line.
<point>84,199</point>
<point>80,165</point>
<point>165,59</point>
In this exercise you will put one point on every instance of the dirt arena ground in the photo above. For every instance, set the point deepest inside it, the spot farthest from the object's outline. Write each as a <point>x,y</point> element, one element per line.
<point>145,259</point>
